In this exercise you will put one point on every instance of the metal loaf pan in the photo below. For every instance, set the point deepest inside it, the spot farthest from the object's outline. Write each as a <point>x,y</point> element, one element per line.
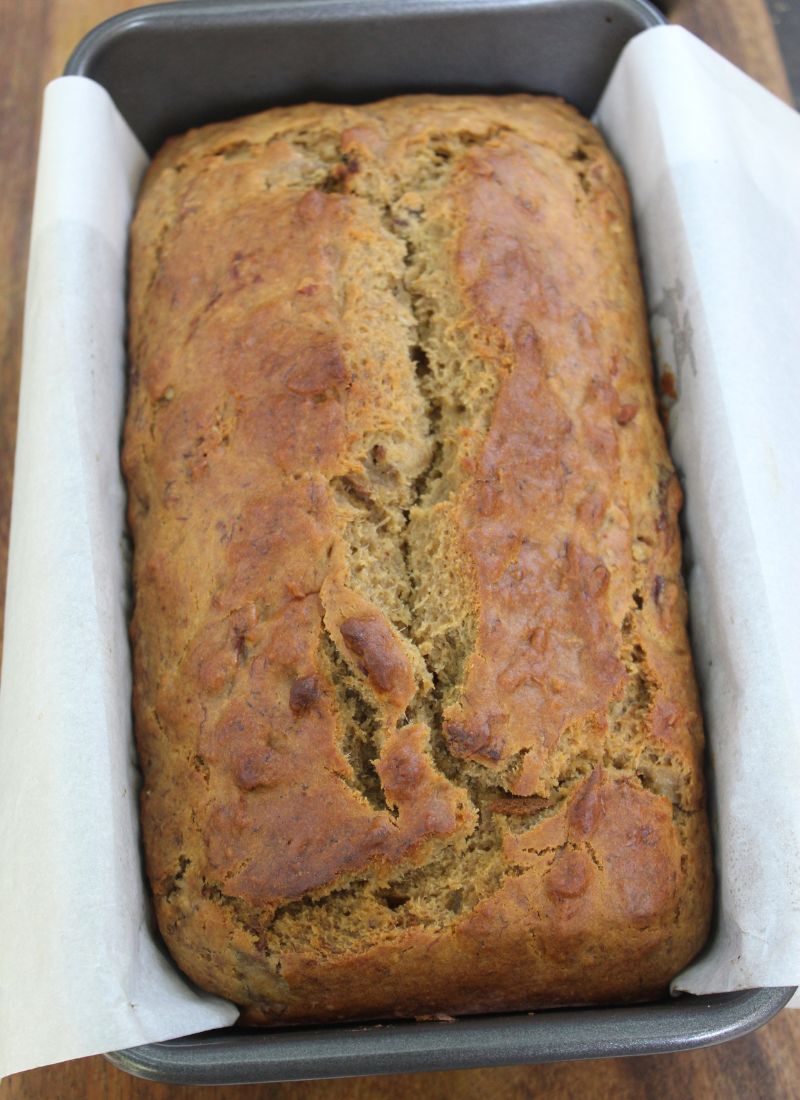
<point>178,65</point>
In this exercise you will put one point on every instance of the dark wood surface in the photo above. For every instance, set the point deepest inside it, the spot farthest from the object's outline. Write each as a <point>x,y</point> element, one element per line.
<point>37,37</point>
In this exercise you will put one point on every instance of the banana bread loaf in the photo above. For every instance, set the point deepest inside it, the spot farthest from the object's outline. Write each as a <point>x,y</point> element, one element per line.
<point>412,689</point>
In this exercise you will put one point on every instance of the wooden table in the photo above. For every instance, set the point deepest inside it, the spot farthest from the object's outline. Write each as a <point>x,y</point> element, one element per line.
<point>38,36</point>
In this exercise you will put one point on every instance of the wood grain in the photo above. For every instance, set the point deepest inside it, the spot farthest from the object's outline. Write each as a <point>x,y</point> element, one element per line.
<point>37,37</point>
<point>740,30</point>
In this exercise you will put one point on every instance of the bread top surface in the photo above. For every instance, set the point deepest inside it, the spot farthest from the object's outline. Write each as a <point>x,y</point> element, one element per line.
<point>413,694</point>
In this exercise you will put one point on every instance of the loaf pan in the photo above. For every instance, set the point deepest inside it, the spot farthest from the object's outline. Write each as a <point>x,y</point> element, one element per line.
<point>173,66</point>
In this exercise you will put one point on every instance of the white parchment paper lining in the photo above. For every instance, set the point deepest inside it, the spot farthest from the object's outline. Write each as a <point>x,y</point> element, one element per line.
<point>714,167</point>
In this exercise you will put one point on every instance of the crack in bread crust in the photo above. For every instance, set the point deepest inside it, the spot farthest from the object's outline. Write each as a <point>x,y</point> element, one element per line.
<point>411,672</point>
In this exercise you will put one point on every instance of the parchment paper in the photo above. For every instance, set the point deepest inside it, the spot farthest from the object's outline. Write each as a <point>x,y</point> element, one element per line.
<point>713,164</point>
<point>80,971</point>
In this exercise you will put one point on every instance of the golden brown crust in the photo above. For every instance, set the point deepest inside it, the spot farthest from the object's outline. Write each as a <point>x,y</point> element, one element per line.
<point>413,694</point>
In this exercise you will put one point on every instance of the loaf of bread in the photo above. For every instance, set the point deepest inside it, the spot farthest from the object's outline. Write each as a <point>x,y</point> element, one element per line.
<point>413,695</point>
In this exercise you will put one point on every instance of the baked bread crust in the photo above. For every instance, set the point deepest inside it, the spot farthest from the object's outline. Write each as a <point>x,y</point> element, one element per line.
<point>413,695</point>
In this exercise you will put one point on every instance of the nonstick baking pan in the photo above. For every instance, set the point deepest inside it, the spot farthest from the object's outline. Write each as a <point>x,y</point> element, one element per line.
<point>173,66</point>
